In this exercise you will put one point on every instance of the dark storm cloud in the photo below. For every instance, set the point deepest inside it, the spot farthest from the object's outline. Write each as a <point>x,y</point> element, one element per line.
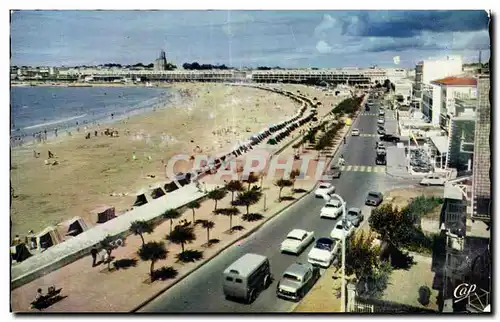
<point>403,24</point>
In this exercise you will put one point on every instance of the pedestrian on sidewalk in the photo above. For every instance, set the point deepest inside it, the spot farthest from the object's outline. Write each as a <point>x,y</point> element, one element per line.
<point>93,252</point>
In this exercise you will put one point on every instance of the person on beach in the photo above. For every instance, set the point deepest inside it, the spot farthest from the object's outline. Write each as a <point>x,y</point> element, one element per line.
<point>94,252</point>
<point>55,131</point>
<point>51,155</point>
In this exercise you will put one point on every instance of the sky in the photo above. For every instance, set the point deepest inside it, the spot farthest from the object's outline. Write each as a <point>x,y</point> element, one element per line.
<point>290,39</point>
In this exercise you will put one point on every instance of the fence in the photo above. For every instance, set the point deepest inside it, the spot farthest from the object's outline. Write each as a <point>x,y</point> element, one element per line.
<point>361,308</point>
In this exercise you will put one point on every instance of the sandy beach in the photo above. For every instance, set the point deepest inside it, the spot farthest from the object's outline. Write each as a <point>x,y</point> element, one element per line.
<point>102,170</point>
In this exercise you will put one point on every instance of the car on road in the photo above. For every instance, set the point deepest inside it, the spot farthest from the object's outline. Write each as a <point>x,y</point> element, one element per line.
<point>389,138</point>
<point>379,144</point>
<point>381,159</point>
<point>381,131</point>
<point>339,229</point>
<point>335,171</point>
<point>381,149</point>
<point>381,121</point>
<point>332,209</point>
<point>247,277</point>
<point>296,241</point>
<point>354,132</point>
<point>324,252</point>
<point>433,180</point>
<point>324,189</point>
<point>381,112</point>
<point>297,279</point>
<point>374,198</point>
<point>355,216</point>
<point>367,108</point>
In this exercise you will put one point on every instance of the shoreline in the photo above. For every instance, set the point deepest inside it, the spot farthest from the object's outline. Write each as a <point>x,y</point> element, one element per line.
<point>101,170</point>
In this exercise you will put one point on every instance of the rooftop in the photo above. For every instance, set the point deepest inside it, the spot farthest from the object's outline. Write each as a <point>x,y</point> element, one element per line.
<point>456,81</point>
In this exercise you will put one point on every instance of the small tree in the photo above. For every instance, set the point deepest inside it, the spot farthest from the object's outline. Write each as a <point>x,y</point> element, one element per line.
<point>208,225</point>
<point>107,245</point>
<point>195,204</point>
<point>171,214</point>
<point>392,225</point>
<point>252,178</point>
<point>141,227</point>
<point>282,183</point>
<point>293,176</point>
<point>230,212</point>
<point>152,251</point>
<point>234,186</point>
<point>181,236</point>
<point>249,198</point>
<point>362,256</point>
<point>216,195</point>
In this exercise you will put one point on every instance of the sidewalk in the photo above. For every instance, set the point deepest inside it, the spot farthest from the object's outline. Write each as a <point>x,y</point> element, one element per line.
<point>123,290</point>
<point>95,289</point>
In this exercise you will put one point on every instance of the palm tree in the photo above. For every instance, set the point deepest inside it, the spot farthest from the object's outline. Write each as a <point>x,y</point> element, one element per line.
<point>171,214</point>
<point>293,175</point>
<point>208,224</point>
<point>141,227</point>
<point>252,178</point>
<point>234,186</point>
<point>217,195</point>
<point>195,204</point>
<point>249,198</point>
<point>107,245</point>
<point>152,251</point>
<point>230,212</point>
<point>282,183</point>
<point>181,235</point>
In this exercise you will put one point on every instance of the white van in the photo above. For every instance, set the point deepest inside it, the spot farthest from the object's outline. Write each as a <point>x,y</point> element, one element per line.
<point>247,277</point>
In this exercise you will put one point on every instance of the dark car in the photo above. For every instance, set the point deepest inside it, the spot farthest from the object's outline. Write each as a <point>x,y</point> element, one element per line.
<point>380,159</point>
<point>355,216</point>
<point>374,198</point>
<point>389,138</point>
<point>335,172</point>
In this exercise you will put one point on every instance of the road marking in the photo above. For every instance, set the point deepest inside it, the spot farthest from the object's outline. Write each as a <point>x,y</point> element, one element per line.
<point>349,167</point>
<point>380,168</point>
<point>362,168</point>
<point>355,168</point>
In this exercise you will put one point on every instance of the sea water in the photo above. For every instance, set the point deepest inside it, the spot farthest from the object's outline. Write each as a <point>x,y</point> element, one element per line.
<point>38,108</point>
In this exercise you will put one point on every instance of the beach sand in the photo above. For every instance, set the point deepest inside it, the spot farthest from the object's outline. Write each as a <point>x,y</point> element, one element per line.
<point>89,171</point>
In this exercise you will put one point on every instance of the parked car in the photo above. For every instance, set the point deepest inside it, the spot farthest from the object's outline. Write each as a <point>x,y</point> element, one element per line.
<point>335,171</point>
<point>381,159</point>
<point>374,198</point>
<point>338,231</point>
<point>381,150</point>
<point>381,112</point>
<point>324,252</point>
<point>355,132</point>
<point>379,144</point>
<point>324,189</point>
<point>433,180</point>
<point>380,121</point>
<point>381,131</point>
<point>297,279</point>
<point>355,216</point>
<point>296,241</point>
<point>389,138</point>
<point>332,209</point>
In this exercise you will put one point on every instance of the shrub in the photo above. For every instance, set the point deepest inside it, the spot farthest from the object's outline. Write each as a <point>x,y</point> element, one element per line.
<point>252,217</point>
<point>189,256</point>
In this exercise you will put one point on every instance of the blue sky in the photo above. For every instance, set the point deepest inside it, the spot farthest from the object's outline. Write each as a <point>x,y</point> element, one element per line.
<point>247,38</point>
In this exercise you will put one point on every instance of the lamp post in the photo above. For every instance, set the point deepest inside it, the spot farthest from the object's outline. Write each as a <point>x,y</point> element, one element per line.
<point>342,294</point>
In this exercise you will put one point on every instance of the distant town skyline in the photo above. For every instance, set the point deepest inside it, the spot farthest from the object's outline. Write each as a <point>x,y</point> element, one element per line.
<point>290,39</point>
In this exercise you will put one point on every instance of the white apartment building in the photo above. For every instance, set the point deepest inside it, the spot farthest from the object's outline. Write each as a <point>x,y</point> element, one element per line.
<point>438,97</point>
<point>429,70</point>
<point>403,91</point>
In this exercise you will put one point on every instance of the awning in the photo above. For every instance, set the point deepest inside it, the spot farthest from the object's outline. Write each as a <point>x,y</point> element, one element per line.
<point>441,143</point>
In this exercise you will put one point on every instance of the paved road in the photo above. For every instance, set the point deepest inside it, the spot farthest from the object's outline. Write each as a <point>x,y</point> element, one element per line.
<point>201,292</point>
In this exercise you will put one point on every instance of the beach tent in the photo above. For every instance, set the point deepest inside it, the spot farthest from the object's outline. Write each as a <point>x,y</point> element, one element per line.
<point>47,238</point>
<point>73,227</point>
<point>101,214</point>
<point>19,252</point>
